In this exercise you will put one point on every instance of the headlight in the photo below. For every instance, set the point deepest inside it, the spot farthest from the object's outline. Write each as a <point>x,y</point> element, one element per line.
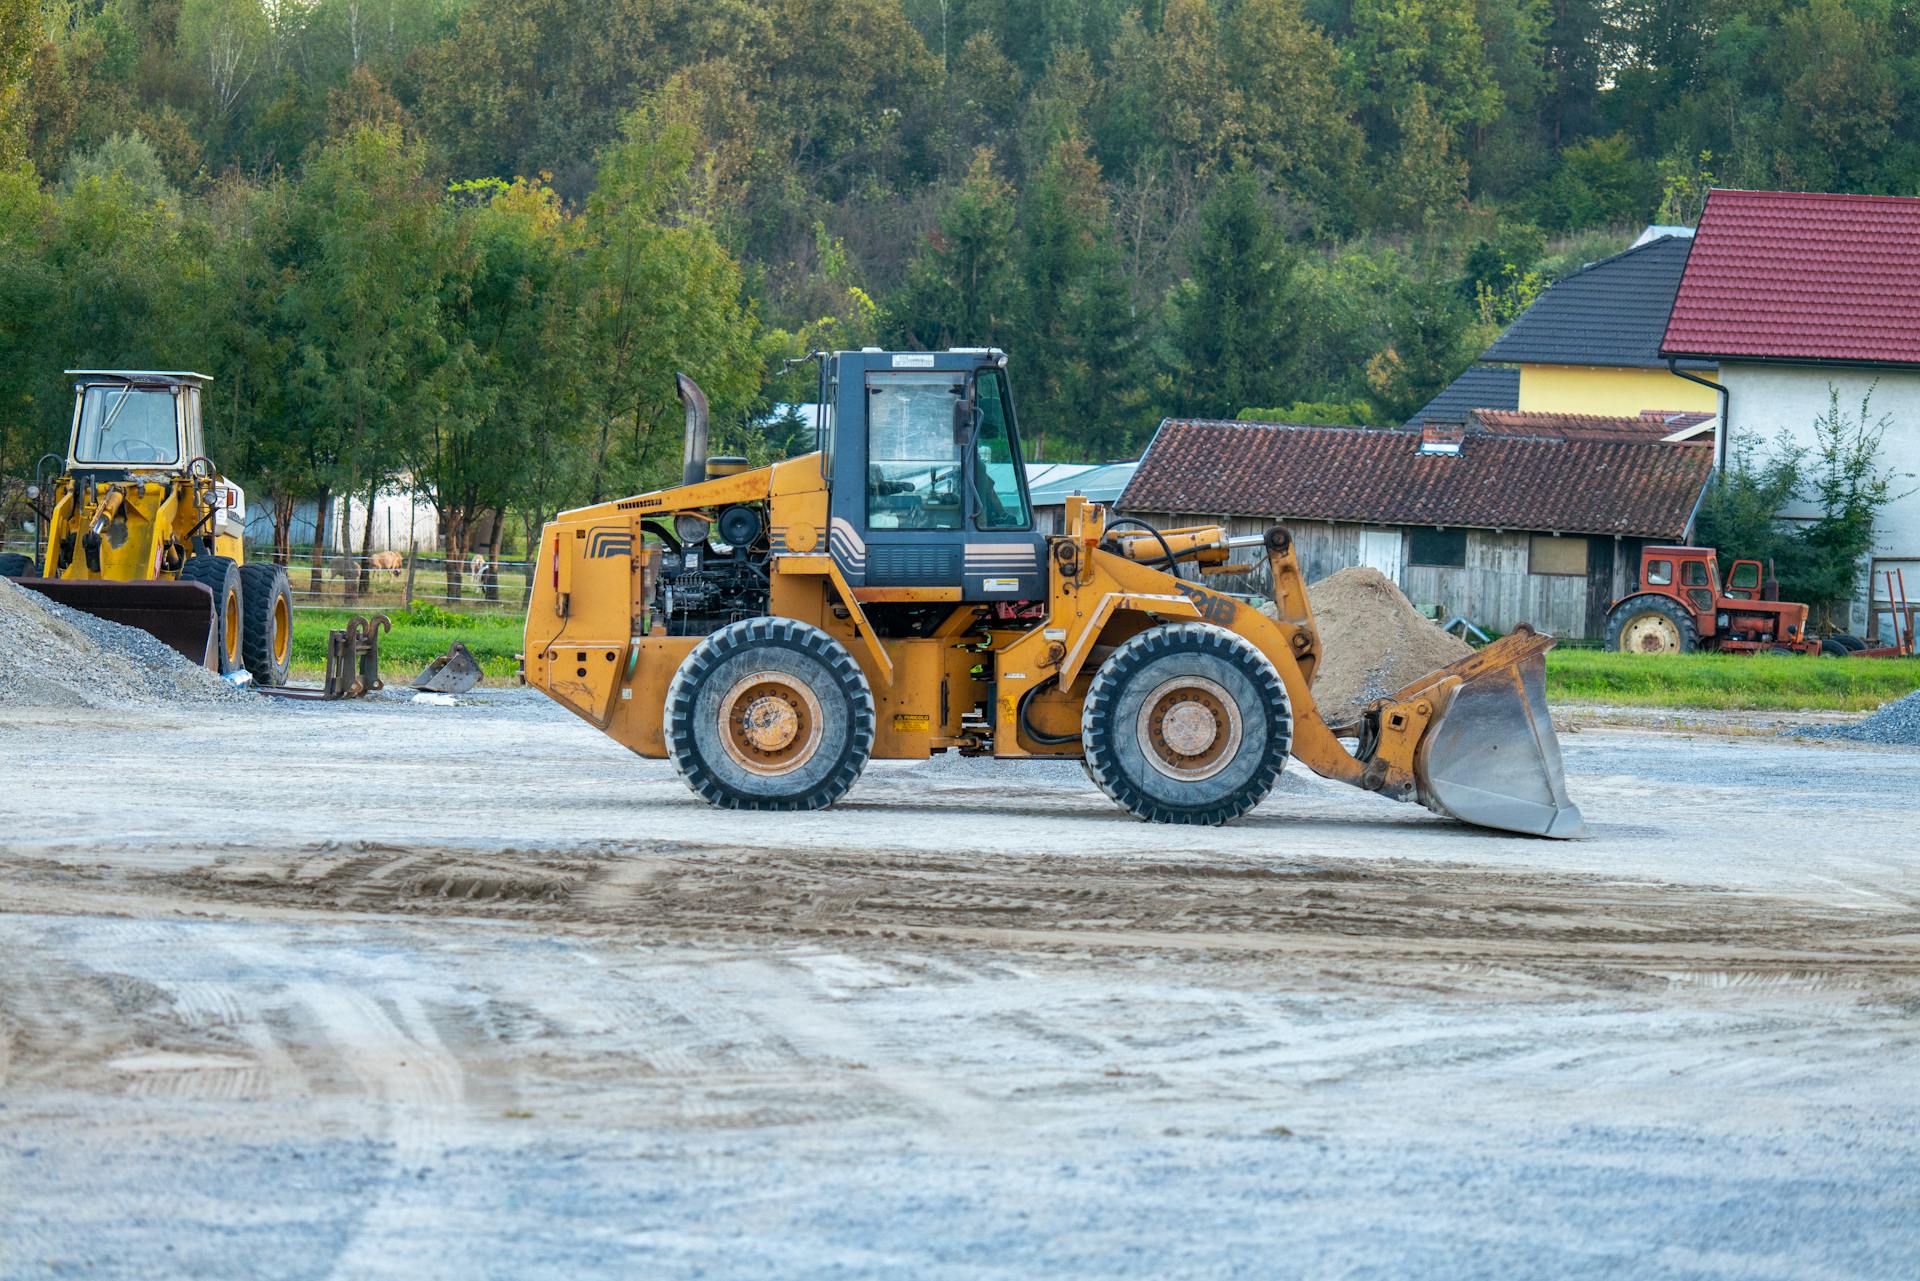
<point>690,527</point>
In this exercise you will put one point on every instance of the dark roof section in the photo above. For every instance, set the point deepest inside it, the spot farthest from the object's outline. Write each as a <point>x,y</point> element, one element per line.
<point>1480,387</point>
<point>1789,275</point>
<point>1612,312</point>
<point>1378,476</point>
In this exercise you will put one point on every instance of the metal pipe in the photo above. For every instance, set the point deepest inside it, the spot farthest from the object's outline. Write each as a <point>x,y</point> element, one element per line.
<point>1720,431</point>
<point>693,462</point>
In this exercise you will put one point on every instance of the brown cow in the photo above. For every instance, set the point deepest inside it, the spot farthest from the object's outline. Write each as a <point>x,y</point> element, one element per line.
<point>386,563</point>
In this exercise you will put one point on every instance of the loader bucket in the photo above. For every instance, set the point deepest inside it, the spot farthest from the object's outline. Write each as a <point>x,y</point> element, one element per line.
<point>1490,756</point>
<point>178,615</point>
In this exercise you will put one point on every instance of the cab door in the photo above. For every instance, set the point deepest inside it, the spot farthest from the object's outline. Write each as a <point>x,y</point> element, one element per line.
<point>1003,553</point>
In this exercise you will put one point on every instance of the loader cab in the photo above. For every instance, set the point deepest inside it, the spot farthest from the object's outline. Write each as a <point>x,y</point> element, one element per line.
<point>927,477</point>
<point>127,421</point>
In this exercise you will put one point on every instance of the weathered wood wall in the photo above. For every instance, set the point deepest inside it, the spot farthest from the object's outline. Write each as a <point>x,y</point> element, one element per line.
<point>1494,589</point>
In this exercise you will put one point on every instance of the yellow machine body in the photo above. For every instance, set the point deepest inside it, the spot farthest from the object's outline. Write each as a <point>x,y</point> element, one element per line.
<point>973,680</point>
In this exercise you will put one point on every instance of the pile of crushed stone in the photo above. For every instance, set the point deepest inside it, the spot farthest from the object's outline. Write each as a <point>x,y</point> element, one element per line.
<point>1373,642</point>
<point>52,656</point>
<point>1895,724</point>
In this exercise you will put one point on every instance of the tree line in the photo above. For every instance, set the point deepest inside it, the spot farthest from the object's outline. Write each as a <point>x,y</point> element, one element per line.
<point>469,241</point>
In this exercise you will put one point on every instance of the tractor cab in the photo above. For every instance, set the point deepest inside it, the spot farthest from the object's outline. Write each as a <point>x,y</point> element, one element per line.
<point>127,421</point>
<point>927,480</point>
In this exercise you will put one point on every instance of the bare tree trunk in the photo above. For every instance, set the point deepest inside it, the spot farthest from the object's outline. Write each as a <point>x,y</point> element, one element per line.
<point>532,556</point>
<point>490,576</point>
<point>283,509</point>
<point>316,582</point>
<point>360,583</point>
<point>453,530</point>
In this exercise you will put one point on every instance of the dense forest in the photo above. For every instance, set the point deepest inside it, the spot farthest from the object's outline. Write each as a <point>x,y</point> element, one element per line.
<point>470,240</point>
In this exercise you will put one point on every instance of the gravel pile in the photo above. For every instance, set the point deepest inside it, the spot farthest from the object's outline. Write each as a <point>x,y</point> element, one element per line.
<point>1896,724</point>
<point>1373,642</point>
<point>52,656</point>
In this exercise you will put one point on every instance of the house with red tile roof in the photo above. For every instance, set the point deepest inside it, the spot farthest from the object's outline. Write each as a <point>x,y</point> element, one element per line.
<point>1509,517</point>
<point>1795,295</point>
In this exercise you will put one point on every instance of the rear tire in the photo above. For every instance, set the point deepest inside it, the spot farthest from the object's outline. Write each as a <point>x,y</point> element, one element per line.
<point>1832,647</point>
<point>1186,723</point>
<point>16,565</point>
<point>1852,644</point>
<point>769,714</point>
<point>266,633</point>
<point>219,575</point>
<point>1651,625</point>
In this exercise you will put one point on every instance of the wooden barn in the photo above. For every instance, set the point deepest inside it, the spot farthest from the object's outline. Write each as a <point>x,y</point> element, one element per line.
<point>1504,518</point>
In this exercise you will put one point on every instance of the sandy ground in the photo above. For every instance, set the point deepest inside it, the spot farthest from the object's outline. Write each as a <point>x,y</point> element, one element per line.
<point>393,991</point>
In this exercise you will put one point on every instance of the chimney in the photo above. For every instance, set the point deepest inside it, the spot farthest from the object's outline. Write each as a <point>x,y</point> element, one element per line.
<point>1442,438</point>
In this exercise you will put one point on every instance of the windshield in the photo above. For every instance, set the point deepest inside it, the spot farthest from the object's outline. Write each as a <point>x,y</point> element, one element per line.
<point>122,424</point>
<point>913,462</point>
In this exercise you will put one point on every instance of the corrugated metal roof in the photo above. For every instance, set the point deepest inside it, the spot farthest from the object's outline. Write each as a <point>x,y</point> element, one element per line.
<point>1611,313</point>
<point>1103,483</point>
<point>1379,476</point>
<point>1788,275</point>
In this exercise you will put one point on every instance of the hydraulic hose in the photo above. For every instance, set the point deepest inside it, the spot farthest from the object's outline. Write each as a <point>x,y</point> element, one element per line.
<point>1172,561</point>
<point>1026,726</point>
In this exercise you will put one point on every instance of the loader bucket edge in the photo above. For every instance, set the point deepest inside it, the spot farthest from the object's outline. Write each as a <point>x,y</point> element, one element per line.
<point>1490,756</point>
<point>178,615</point>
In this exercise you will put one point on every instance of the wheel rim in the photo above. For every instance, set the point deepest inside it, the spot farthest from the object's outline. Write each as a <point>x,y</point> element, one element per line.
<point>282,630</point>
<point>231,618</point>
<point>1189,728</point>
<point>770,723</point>
<point>1650,634</point>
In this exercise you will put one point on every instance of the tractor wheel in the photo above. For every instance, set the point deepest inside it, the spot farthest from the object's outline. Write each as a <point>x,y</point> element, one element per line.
<point>1852,644</point>
<point>266,632</point>
<point>1186,723</point>
<point>770,714</point>
<point>1832,647</point>
<point>221,577</point>
<point>17,565</point>
<point>1651,625</point>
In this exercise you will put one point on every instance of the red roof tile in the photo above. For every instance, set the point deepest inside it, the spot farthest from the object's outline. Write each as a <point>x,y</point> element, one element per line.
<point>1377,476</point>
<point>1793,275</point>
<point>1644,427</point>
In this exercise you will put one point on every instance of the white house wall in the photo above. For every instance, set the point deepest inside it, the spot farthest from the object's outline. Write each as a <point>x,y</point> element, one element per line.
<point>1767,401</point>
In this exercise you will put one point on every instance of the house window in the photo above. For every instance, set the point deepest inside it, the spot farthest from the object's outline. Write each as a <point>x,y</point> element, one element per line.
<point>1551,554</point>
<point>1446,548</point>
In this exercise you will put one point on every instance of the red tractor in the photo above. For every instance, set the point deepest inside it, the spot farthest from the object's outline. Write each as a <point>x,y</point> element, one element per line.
<point>1681,607</point>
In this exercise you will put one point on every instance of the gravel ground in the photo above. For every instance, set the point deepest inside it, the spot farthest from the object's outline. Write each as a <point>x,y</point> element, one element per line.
<point>1895,724</point>
<point>51,655</point>
<point>390,990</point>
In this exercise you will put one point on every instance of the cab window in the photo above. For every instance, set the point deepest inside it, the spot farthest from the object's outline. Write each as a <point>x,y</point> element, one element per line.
<point>1000,500</point>
<point>913,459</point>
<point>121,424</point>
<point>1743,580</point>
<point>1659,573</point>
<point>1693,573</point>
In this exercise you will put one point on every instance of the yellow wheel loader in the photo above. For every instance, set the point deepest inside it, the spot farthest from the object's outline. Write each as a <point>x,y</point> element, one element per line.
<point>141,528</point>
<point>771,630</point>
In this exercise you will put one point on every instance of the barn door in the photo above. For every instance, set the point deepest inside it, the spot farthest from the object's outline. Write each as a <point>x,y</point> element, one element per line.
<point>1380,549</point>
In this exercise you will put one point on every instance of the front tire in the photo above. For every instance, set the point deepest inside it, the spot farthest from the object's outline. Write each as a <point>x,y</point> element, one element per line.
<point>1651,625</point>
<point>1186,723</point>
<point>221,577</point>
<point>769,714</point>
<point>17,565</point>
<point>266,633</point>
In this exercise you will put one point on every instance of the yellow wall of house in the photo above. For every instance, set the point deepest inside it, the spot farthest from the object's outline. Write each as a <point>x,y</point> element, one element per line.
<point>1593,389</point>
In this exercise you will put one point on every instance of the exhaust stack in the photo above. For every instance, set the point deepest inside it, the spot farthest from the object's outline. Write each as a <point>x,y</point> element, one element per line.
<point>693,467</point>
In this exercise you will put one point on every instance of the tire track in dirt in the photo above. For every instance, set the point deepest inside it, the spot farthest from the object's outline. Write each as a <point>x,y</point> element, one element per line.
<point>1602,930</point>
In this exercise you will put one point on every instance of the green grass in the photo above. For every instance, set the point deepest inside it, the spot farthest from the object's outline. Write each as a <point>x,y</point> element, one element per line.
<point>1729,681</point>
<point>416,639</point>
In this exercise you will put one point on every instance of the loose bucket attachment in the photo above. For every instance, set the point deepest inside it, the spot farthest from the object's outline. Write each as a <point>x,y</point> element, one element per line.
<point>454,672</point>
<point>1490,756</point>
<point>178,615</point>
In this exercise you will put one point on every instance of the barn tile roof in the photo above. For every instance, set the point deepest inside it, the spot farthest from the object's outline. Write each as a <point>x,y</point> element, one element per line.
<point>1379,476</point>
<point>1649,426</point>
<point>1480,387</point>
<point>1612,312</point>
<point>1800,276</point>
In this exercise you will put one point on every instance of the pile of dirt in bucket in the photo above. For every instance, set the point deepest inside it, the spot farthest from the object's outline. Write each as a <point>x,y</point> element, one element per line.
<point>52,656</point>
<point>1373,642</point>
